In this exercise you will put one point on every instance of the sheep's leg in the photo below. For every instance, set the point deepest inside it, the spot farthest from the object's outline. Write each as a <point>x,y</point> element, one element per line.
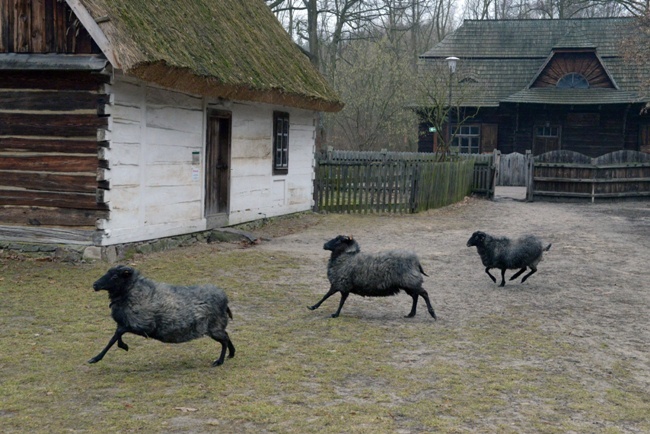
<point>231,348</point>
<point>415,304</point>
<point>116,338</point>
<point>503,277</point>
<point>425,296</point>
<point>518,273</point>
<point>487,270</point>
<point>121,344</point>
<point>533,270</point>
<point>330,293</point>
<point>222,337</point>
<point>344,296</point>
<point>222,356</point>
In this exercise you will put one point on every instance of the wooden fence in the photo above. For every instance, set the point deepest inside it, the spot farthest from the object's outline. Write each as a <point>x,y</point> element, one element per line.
<point>368,182</point>
<point>563,175</point>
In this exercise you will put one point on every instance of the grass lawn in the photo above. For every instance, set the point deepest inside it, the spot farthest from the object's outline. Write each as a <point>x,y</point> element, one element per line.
<point>295,371</point>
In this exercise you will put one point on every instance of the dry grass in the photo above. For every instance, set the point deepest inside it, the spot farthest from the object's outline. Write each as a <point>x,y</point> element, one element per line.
<point>295,371</point>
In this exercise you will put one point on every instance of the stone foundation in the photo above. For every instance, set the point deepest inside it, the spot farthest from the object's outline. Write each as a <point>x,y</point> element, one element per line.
<point>118,252</point>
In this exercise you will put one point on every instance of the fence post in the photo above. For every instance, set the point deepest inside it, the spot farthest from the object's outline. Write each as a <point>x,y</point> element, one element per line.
<point>530,170</point>
<point>496,165</point>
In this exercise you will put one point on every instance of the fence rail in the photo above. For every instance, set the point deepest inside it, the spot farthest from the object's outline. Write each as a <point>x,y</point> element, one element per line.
<point>370,182</point>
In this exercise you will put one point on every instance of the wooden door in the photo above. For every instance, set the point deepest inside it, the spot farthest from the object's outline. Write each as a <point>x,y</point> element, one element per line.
<point>489,137</point>
<point>217,162</point>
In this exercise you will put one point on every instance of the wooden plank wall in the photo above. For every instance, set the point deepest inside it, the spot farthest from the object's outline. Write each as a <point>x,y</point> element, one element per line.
<point>49,124</point>
<point>569,175</point>
<point>42,26</point>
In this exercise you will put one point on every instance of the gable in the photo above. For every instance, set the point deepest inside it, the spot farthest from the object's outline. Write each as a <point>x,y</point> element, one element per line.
<point>585,64</point>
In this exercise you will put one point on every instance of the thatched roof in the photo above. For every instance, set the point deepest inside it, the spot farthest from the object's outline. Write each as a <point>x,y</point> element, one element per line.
<point>233,49</point>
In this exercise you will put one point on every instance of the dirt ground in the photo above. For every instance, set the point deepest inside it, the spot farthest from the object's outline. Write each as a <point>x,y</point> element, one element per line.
<point>592,287</point>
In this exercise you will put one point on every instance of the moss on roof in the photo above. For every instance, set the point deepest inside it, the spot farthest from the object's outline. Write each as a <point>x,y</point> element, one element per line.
<point>225,48</point>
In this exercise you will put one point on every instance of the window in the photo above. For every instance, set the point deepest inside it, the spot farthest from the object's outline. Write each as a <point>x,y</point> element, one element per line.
<point>280,142</point>
<point>468,139</point>
<point>548,131</point>
<point>573,80</point>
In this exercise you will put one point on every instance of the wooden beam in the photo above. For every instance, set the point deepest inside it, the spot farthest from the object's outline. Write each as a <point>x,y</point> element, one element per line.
<point>49,163</point>
<point>94,31</point>
<point>60,100</point>
<point>49,181</point>
<point>54,125</point>
<point>52,80</point>
<point>35,216</point>
<point>50,199</point>
<point>49,235</point>
<point>40,144</point>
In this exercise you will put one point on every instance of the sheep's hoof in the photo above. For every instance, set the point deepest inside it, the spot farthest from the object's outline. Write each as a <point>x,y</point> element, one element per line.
<point>312,307</point>
<point>217,362</point>
<point>433,314</point>
<point>334,315</point>
<point>94,360</point>
<point>410,315</point>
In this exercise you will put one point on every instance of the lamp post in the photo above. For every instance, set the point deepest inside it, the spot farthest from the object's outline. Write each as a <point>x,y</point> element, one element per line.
<point>451,62</point>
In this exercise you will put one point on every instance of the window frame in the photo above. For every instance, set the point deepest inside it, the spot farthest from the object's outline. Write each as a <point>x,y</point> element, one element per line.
<point>281,127</point>
<point>472,140</point>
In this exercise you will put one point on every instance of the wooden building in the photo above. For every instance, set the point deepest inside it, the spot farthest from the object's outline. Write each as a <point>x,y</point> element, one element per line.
<point>544,85</point>
<point>130,120</point>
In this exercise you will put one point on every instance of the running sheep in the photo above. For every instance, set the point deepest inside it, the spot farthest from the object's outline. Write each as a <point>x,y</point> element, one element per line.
<point>167,313</point>
<point>506,254</point>
<point>372,275</point>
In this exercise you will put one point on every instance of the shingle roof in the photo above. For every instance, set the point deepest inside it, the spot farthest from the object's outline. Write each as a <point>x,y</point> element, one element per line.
<point>227,48</point>
<point>505,56</point>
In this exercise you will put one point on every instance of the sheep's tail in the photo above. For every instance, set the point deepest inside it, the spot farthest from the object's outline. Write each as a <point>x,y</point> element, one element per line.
<point>548,248</point>
<point>422,271</point>
<point>229,312</point>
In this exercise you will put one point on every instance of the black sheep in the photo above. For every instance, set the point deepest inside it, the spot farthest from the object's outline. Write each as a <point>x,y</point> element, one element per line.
<point>506,254</point>
<point>167,313</point>
<point>372,275</point>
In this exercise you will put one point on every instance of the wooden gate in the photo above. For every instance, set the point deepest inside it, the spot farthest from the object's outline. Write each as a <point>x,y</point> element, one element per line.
<point>513,170</point>
<point>568,175</point>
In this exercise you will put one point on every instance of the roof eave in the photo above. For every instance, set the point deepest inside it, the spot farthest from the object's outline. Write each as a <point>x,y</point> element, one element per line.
<point>186,81</point>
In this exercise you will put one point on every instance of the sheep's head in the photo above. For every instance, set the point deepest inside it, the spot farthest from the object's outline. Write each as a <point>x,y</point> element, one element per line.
<point>477,239</point>
<point>116,280</point>
<point>342,244</point>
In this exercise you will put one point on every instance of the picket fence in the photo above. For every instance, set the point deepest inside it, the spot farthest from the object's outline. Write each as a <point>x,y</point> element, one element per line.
<point>395,182</point>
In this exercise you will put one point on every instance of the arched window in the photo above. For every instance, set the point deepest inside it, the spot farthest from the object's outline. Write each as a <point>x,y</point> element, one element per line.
<point>573,80</point>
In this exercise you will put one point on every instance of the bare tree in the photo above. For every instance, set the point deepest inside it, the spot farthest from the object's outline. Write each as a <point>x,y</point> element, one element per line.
<point>442,98</point>
<point>376,86</point>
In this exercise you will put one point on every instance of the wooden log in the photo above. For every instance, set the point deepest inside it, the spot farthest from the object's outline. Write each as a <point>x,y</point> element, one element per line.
<point>50,235</point>
<point>51,100</point>
<point>39,144</point>
<point>49,181</point>
<point>50,163</point>
<point>35,216</point>
<point>50,199</point>
<point>49,80</point>
<point>54,125</point>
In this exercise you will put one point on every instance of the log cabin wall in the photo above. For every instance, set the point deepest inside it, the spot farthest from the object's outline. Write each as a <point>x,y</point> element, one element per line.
<point>590,130</point>
<point>42,26</point>
<point>50,119</point>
